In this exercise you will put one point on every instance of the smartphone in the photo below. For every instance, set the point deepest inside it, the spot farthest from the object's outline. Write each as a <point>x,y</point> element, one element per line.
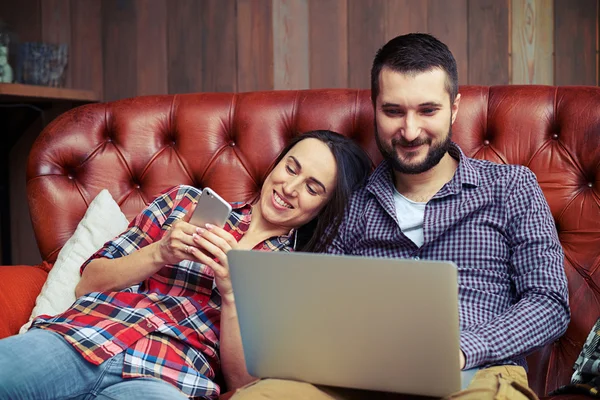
<point>211,209</point>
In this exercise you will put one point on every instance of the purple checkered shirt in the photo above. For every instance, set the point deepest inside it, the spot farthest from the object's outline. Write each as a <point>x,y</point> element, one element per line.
<point>494,223</point>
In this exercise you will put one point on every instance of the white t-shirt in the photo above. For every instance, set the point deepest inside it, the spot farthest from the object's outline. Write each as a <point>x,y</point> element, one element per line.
<point>410,216</point>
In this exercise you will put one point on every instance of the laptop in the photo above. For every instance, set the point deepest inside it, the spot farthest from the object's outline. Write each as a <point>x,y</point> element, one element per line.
<point>379,324</point>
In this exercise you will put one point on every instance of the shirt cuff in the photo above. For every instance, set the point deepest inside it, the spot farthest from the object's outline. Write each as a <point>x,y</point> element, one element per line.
<point>475,349</point>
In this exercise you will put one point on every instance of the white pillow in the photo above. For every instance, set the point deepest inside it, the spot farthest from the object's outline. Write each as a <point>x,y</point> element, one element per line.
<point>102,221</point>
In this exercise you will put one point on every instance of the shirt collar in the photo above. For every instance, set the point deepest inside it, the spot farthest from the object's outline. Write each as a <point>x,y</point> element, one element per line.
<point>382,179</point>
<point>243,213</point>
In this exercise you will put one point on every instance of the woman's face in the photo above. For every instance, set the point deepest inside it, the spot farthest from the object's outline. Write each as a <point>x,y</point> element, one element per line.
<point>299,186</point>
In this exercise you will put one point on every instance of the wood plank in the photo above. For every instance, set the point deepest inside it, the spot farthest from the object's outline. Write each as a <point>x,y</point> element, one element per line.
<point>33,92</point>
<point>290,44</point>
<point>328,43</point>
<point>405,16</point>
<point>23,19</point>
<point>219,72</point>
<point>532,42</point>
<point>56,28</point>
<point>85,56</point>
<point>366,34</point>
<point>120,66</point>
<point>575,42</point>
<point>447,20</point>
<point>488,42</point>
<point>151,47</point>
<point>254,45</point>
<point>184,46</point>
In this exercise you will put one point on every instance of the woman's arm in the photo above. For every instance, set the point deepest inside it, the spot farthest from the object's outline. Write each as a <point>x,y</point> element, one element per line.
<point>218,242</point>
<point>113,274</point>
<point>105,274</point>
<point>232,351</point>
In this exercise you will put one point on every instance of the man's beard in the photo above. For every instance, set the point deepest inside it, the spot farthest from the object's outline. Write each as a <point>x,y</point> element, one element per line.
<point>434,155</point>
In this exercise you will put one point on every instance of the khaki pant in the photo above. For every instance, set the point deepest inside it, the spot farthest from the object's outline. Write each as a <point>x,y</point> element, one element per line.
<point>497,383</point>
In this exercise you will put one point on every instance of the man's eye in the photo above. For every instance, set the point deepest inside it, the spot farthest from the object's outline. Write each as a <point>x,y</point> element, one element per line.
<point>393,112</point>
<point>290,170</point>
<point>429,111</point>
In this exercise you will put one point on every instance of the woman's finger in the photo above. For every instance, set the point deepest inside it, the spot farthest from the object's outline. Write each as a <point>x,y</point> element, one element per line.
<point>220,271</point>
<point>214,239</point>
<point>223,234</point>
<point>207,245</point>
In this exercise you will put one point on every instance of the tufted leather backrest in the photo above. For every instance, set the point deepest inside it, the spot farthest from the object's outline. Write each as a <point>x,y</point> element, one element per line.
<point>138,147</point>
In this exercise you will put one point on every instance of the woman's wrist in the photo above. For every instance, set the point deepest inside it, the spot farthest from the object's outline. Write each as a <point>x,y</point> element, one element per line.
<point>228,299</point>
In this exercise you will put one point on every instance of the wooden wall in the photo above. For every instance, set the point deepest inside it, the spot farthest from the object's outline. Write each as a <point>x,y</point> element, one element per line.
<point>124,48</point>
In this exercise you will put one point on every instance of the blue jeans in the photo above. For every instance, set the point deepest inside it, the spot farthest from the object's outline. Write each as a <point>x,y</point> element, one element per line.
<point>42,365</point>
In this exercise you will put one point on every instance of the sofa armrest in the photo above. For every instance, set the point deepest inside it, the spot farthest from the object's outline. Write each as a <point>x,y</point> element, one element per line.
<point>19,288</point>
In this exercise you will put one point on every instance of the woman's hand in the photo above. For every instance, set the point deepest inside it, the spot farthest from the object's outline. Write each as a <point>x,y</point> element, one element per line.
<point>211,245</point>
<point>174,246</point>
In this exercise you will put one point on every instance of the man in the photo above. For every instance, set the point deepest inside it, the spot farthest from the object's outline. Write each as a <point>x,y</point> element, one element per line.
<point>427,200</point>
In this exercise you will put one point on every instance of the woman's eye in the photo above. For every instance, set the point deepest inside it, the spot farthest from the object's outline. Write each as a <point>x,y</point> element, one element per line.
<point>290,170</point>
<point>311,191</point>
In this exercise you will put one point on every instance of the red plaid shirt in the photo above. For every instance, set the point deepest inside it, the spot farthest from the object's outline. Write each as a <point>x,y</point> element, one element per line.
<point>168,325</point>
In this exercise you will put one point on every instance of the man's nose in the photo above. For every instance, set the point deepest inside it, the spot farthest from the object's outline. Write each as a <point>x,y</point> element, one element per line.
<point>411,129</point>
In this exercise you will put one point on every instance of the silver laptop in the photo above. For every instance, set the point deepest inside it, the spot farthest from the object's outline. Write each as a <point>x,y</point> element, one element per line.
<point>367,323</point>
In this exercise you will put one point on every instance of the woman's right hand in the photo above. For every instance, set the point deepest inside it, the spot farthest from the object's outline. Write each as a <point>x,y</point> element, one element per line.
<point>176,242</point>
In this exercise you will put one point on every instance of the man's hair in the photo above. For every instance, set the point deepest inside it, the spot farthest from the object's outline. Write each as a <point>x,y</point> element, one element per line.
<point>415,53</point>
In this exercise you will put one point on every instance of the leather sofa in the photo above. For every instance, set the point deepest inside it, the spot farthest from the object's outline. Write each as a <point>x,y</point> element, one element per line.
<point>138,147</point>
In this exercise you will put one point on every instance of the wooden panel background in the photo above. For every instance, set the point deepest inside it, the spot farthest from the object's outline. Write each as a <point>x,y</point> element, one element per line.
<point>532,42</point>
<point>575,42</point>
<point>124,48</point>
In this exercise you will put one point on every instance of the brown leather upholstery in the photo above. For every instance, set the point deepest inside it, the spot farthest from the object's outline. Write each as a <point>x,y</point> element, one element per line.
<point>139,147</point>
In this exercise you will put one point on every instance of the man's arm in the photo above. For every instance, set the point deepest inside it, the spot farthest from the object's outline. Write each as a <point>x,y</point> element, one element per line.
<point>541,313</point>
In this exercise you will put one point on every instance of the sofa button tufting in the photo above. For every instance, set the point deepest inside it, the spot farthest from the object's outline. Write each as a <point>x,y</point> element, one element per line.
<point>590,184</point>
<point>232,143</point>
<point>486,142</point>
<point>555,136</point>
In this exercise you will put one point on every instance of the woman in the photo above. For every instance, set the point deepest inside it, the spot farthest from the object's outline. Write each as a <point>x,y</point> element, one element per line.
<point>180,323</point>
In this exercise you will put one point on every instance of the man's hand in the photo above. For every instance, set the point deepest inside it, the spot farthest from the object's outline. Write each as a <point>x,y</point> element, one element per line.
<point>463,360</point>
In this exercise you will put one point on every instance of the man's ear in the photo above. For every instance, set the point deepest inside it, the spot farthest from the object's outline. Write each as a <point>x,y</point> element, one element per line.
<point>454,108</point>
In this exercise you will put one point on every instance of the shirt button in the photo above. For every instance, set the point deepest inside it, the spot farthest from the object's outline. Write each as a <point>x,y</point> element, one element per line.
<point>148,324</point>
<point>416,258</point>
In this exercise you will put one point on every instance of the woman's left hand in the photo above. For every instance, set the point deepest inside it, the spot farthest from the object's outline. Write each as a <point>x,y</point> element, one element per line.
<point>211,247</point>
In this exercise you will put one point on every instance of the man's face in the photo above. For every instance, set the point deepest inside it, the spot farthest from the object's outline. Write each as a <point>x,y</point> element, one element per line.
<point>413,119</point>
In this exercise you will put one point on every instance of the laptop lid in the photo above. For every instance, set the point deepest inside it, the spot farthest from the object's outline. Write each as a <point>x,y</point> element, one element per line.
<point>366,323</point>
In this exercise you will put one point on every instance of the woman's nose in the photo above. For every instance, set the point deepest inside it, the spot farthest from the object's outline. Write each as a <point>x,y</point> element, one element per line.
<point>290,187</point>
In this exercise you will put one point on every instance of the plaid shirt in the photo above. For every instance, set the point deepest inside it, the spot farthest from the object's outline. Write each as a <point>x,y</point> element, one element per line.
<point>168,325</point>
<point>493,222</point>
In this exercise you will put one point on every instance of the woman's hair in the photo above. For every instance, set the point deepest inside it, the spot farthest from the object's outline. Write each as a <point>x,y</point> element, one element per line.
<point>353,168</point>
